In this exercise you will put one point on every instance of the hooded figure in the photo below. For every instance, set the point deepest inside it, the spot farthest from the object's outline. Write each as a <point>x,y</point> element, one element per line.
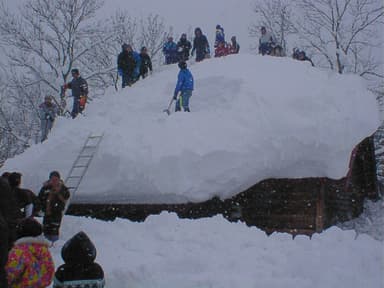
<point>201,45</point>
<point>126,65</point>
<point>183,48</point>
<point>30,263</point>
<point>79,255</point>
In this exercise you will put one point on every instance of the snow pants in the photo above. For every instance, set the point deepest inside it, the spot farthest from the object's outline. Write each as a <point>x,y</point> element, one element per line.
<point>183,101</point>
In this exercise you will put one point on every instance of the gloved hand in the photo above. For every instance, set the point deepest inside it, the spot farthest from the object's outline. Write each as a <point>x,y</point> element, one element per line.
<point>120,72</point>
<point>175,97</point>
<point>48,117</point>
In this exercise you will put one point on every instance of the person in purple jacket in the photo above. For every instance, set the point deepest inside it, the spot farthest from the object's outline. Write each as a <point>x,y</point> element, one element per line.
<point>184,86</point>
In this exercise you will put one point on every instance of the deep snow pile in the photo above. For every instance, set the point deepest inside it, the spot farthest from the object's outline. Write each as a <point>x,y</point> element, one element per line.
<point>252,118</point>
<point>168,252</point>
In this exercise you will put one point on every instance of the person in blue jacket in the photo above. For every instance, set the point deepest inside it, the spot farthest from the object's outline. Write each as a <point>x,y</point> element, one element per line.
<point>184,86</point>
<point>170,51</point>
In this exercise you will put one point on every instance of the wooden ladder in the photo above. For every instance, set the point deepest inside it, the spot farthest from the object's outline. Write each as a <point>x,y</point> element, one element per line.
<point>82,162</point>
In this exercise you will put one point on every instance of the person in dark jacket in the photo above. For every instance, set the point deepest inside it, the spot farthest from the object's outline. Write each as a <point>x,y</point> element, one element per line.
<point>53,196</point>
<point>126,65</point>
<point>184,86</point>
<point>201,45</point>
<point>233,47</point>
<point>80,268</point>
<point>303,57</point>
<point>146,63</point>
<point>47,112</point>
<point>183,48</point>
<point>79,87</point>
<point>5,192</point>
<point>27,202</point>
<point>9,208</point>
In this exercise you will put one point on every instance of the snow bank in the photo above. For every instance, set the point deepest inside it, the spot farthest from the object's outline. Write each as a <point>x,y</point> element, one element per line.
<point>252,118</point>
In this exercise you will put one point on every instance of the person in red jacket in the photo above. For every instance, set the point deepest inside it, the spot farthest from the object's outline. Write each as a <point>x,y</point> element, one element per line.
<point>221,49</point>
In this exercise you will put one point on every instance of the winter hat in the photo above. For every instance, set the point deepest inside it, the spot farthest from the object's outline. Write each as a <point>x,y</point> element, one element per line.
<point>79,250</point>
<point>29,227</point>
<point>198,30</point>
<point>14,179</point>
<point>218,26</point>
<point>182,64</point>
<point>75,71</point>
<point>54,173</point>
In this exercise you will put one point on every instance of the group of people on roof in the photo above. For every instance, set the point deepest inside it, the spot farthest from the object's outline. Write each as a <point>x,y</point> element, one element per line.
<point>132,65</point>
<point>181,51</point>
<point>269,46</point>
<point>25,258</point>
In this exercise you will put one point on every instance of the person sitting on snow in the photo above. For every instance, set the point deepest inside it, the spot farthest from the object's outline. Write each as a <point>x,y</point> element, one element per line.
<point>79,270</point>
<point>233,47</point>
<point>221,50</point>
<point>266,42</point>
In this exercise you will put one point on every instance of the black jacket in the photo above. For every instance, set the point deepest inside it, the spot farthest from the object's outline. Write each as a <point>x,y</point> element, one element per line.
<point>146,64</point>
<point>183,48</point>
<point>79,87</point>
<point>126,62</point>
<point>79,254</point>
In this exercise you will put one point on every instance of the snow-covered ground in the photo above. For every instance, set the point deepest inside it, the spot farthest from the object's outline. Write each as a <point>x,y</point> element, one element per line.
<point>167,252</point>
<point>253,118</point>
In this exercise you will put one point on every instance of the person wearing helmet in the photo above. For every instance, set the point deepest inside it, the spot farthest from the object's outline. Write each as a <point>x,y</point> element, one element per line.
<point>184,86</point>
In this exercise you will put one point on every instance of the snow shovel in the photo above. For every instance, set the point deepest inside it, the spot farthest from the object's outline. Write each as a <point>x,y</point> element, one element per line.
<point>168,110</point>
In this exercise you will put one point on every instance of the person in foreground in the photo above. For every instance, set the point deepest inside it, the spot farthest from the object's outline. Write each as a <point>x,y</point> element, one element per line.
<point>79,269</point>
<point>30,263</point>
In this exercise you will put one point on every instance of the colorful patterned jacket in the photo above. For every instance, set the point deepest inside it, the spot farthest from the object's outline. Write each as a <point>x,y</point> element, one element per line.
<point>30,264</point>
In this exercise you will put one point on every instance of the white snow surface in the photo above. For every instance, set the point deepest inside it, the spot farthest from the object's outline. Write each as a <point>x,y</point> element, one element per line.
<point>252,118</point>
<point>168,252</point>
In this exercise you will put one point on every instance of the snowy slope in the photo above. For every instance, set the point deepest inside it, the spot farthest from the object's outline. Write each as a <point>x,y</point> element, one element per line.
<point>168,252</point>
<point>252,118</point>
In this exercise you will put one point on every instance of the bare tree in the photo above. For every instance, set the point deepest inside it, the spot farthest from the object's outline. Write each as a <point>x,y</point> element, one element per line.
<point>276,16</point>
<point>153,34</point>
<point>342,33</point>
<point>50,37</point>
